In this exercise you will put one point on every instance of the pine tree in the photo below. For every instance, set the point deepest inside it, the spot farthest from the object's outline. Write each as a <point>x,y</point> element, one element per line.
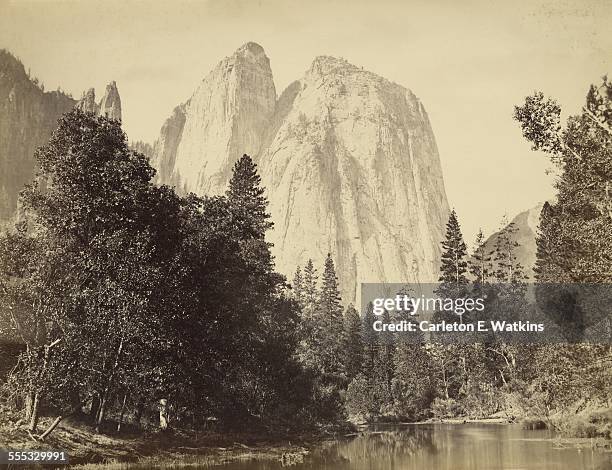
<point>370,341</point>
<point>353,343</point>
<point>386,355</point>
<point>309,287</point>
<point>329,298</point>
<point>248,200</point>
<point>480,262</point>
<point>329,318</point>
<point>507,268</point>
<point>453,268</point>
<point>298,286</point>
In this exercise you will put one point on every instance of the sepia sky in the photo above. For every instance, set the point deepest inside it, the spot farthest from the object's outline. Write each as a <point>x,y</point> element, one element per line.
<point>469,61</point>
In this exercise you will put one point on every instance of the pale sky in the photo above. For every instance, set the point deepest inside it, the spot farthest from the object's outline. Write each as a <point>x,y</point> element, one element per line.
<point>469,61</point>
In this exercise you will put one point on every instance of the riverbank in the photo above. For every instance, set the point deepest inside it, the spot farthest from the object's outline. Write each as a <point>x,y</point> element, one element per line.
<point>88,449</point>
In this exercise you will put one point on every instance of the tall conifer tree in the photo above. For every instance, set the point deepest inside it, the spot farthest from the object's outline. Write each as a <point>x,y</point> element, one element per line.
<point>248,200</point>
<point>353,343</point>
<point>453,268</point>
<point>309,287</point>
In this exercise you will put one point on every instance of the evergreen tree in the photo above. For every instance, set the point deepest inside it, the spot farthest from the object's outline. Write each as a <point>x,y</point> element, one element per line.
<point>310,289</point>
<point>329,298</point>
<point>551,265</point>
<point>386,355</point>
<point>248,199</point>
<point>370,341</point>
<point>298,287</point>
<point>507,269</point>
<point>453,267</point>
<point>480,262</point>
<point>353,343</point>
<point>329,319</point>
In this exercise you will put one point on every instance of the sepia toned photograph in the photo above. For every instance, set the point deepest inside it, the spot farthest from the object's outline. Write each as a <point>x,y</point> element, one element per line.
<point>323,235</point>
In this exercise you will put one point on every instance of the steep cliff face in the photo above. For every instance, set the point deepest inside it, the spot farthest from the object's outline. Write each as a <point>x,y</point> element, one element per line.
<point>28,116</point>
<point>227,116</point>
<point>348,159</point>
<point>165,148</point>
<point>352,168</point>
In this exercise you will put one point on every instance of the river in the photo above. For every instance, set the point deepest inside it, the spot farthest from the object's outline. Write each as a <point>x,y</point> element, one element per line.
<point>468,446</point>
<point>446,447</point>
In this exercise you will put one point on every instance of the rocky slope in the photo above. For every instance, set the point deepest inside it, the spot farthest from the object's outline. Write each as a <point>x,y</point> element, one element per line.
<point>28,116</point>
<point>349,161</point>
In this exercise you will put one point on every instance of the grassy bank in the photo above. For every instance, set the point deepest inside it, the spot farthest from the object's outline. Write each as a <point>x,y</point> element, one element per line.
<point>87,448</point>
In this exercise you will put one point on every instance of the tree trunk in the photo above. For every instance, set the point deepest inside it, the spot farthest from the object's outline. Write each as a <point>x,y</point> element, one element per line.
<point>163,414</point>
<point>57,420</point>
<point>444,381</point>
<point>29,401</point>
<point>34,414</point>
<point>139,412</point>
<point>51,428</point>
<point>101,413</point>
<point>121,413</point>
<point>95,407</point>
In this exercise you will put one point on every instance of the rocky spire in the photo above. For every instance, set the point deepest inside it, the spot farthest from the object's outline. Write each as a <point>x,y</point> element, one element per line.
<point>109,106</point>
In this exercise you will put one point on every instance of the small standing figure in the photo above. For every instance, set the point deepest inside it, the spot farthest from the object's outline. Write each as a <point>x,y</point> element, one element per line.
<point>163,414</point>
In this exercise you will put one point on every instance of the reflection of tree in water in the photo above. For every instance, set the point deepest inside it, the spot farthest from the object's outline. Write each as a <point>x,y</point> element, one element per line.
<point>384,447</point>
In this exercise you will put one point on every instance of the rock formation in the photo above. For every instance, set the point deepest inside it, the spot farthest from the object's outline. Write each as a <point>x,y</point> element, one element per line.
<point>348,159</point>
<point>109,106</point>
<point>226,116</point>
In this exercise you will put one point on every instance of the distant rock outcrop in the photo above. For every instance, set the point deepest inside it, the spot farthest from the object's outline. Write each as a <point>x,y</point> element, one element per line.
<point>109,106</point>
<point>348,159</point>
<point>526,224</point>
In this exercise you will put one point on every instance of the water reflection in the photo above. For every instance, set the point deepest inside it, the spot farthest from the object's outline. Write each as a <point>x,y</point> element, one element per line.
<point>443,447</point>
<point>463,447</point>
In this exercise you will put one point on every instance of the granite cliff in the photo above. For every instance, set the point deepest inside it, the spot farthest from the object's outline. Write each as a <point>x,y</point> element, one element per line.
<point>348,159</point>
<point>226,116</point>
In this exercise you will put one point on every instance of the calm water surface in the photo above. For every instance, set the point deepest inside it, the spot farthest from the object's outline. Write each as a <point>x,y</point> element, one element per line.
<point>444,447</point>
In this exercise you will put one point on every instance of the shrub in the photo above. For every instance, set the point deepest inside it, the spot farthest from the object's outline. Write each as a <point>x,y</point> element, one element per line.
<point>446,408</point>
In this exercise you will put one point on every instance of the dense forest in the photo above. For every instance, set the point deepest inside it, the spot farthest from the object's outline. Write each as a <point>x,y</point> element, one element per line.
<point>128,302</point>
